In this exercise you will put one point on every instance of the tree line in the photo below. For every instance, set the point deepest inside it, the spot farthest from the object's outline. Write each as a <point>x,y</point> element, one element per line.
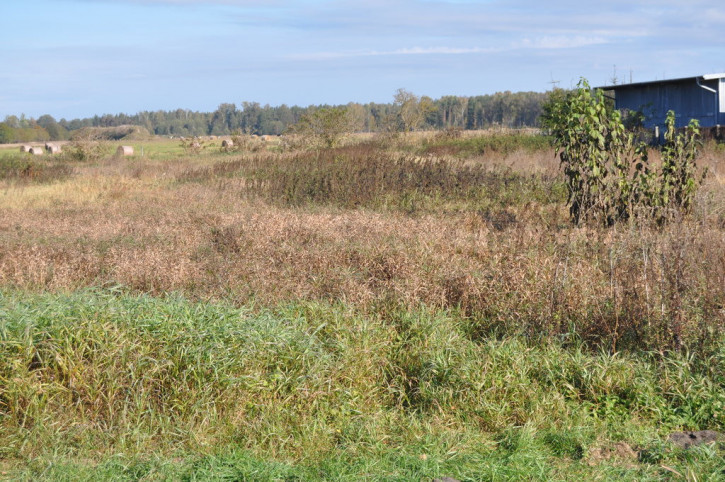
<point>507,109</point>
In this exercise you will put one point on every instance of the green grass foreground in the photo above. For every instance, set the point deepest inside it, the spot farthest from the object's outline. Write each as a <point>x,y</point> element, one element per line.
<point>100,384</point>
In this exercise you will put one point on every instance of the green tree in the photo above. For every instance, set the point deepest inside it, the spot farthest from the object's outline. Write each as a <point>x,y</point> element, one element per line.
<point>551,107</point>
<point>56,131</point>
<point>325,127</point>
<point>7,133</point>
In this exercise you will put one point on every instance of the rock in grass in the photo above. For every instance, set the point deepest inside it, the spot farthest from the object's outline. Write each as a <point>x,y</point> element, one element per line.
<point>446,479</point>
<point>686,440</point>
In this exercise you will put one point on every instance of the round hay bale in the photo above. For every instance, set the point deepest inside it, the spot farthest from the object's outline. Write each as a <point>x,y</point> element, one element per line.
<point>124,151</point>
<point>36,151</point>
<point>25,148</point>
<point>52,149</point>
<point>227,143</point>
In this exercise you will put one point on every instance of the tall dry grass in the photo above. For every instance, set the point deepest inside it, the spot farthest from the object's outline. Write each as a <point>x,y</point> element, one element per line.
<point>362,176</point>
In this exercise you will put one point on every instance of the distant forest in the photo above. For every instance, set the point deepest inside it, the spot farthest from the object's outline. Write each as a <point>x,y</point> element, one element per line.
<point>508,109</point>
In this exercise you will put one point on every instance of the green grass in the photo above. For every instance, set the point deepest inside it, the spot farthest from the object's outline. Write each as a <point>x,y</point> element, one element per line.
<point>160,149</point>
<point>104,384</point>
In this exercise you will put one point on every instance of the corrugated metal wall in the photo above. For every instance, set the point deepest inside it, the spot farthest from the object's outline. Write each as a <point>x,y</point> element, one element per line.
<point>686,98</point>
<point>721,114</point>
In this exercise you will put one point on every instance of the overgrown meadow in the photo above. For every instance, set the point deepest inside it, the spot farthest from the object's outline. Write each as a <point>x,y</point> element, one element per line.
<point>392,309</point>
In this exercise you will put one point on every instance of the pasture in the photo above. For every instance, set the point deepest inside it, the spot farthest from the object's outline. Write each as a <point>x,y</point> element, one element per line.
<point>391,309</point>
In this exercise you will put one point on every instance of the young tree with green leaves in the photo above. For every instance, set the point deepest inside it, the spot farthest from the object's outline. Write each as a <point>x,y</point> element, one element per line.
<point>325,127</point>
<point>608,175</point>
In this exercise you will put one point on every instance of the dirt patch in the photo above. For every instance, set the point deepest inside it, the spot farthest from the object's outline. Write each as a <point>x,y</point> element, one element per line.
<point>620,453</point>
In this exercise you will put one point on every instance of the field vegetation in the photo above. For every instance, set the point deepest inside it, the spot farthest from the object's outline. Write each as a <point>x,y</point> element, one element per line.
<point>389,308</point>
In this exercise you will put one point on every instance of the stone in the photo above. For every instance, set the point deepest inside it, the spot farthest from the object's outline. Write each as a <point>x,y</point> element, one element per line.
<point>686,440</point>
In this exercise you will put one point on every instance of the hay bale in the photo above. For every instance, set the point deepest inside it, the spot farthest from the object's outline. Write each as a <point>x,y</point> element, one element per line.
<point>36,151</point>
<point>52,148</point>
<point>124,151</point>
<point>227,143</point>
<point>25,148</point>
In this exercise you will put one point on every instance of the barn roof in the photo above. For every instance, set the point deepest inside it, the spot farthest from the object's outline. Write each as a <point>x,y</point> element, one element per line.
<point>666,81</point>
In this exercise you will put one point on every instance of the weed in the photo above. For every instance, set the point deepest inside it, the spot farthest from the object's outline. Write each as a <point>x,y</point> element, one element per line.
<point>608,175</point>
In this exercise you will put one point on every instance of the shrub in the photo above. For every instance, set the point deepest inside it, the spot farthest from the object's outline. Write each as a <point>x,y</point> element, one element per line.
<point>86,145</point>
<point>244,143</point>
<point>325,127</point>
<point>192,145</point>
<point>608,174</point>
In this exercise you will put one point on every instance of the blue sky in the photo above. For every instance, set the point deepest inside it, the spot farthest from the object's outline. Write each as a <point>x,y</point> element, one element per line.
<point>78,58</point>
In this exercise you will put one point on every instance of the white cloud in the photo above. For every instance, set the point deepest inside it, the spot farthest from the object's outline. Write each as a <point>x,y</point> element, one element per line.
<point>561,42</point>
<point>546,42</point>
<point>401,51</point>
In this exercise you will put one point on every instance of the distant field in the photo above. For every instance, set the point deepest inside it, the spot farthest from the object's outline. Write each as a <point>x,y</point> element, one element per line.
<point>392,309</point>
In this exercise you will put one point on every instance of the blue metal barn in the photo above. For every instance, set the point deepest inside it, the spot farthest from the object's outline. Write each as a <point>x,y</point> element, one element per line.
<point>701,98</point>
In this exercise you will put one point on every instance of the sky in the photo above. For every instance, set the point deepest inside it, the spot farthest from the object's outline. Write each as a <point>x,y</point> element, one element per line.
<point>79,58</point>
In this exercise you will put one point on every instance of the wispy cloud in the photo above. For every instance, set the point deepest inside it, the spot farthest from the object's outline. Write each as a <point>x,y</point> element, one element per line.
<point>546,42</point>
<point>561,42</point>
<point>401,51</point>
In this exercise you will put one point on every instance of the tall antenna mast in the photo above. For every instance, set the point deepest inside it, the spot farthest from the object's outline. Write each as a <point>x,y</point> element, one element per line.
<point>554,83</point>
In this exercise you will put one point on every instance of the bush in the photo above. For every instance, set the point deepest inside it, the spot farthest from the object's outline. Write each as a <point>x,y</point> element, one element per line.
<point>86,145</point>
<point>325,127</point>
<point>192,145</point>
<point>245,143</point>
<point>608,174</point>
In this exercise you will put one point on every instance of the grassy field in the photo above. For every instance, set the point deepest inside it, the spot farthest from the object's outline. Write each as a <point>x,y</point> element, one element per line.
<point>379,311</point>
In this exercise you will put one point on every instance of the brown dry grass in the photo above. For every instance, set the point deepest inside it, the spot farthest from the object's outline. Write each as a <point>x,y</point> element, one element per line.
<point>514,268</point>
